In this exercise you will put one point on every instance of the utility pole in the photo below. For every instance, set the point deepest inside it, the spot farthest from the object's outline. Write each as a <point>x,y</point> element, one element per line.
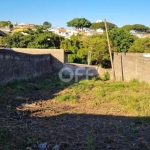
<point>112,65</point>
<point>89,56</point>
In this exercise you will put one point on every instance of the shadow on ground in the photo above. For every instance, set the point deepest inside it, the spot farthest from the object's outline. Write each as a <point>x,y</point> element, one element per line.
<point>72,131</point>
<point>78,131</point>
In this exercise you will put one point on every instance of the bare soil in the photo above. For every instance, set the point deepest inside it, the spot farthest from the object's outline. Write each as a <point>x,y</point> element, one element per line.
<point>33,115</point>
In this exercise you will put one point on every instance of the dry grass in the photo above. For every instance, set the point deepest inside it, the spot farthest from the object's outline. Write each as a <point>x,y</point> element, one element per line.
<point>91,114</point>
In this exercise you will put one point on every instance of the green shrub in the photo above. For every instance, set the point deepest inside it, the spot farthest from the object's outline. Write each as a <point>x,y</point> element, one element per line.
<point>106,76</point>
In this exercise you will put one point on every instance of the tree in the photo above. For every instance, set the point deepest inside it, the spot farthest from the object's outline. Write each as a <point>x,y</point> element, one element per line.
<point>11,26</point>
<point>127,27</point>
<point>121,39</point>
<point>47,25</point>
<point>73,44</point>
<point>140,27</point>
<point>79,23</point>
<point>141,46</point>
<point>5,23</point>
<point>148,31</point>
<point>101,25</point>
<point>15,40</point>
<point>137,27</point>
<point>99,47</point>
<point>81,47</point>
<point>35,39</point>
<point>46,40</point>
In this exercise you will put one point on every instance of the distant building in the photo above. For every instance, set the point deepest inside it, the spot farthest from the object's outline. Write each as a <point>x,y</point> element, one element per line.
<point>133,32</point>
<point>72,32</point>
<point>31,26</point>
<point>63,32</point>
<point>100,30</point>
<point>139,34</point>
<point>99,21</point>
<point>89,33</point>
<point>24,26</point>
<point>67,33</point>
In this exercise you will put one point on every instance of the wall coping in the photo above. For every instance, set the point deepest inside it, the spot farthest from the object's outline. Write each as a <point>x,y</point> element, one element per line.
<point>36,51</point>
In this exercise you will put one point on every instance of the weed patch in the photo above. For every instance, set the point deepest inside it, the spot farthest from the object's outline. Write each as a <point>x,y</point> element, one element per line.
<point>106,76</point>
<point>90,143</point>
<point>66,98</point>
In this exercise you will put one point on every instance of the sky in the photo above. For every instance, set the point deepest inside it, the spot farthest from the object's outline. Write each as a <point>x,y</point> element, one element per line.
<point>59,12</point>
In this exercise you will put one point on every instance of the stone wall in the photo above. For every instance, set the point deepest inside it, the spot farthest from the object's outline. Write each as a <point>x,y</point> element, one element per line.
<point>17,66</point>
<point>132,66</point>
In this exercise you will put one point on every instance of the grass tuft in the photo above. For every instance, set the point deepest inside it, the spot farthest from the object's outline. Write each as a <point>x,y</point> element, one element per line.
<point>67,98</point>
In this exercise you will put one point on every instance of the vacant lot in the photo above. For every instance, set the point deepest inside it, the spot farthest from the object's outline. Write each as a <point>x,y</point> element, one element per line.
<point>90,115</point>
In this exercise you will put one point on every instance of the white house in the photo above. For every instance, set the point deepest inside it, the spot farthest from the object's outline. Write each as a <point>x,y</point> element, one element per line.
<point>97,21</point>
<point>59,31</point>
<point>72,32</point>
<point>100,30</point>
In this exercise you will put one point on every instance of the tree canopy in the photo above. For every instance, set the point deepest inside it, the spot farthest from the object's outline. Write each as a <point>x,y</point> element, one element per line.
<point>98,46</point>
<point>35,39</point>
<point>47,25</point>
<point>137,27</point>
<point>79,23</point>
<point>72,44</point>
<point>6,24</point>
<point>101,25</point>
<point>121,39</point>
<point>81,47</point>
<point>141,46</point>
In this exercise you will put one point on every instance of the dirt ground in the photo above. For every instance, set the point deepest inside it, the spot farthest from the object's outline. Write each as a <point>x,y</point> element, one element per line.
<point>34,115</point>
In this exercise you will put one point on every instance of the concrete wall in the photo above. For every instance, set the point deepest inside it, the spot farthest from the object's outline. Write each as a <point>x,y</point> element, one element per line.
<point>18,66</point>
<point>132,66</point>
<point>58,56</point>
<point>80,69</point>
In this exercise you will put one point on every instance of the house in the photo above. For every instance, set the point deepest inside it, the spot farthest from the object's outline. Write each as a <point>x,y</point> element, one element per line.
<point>133,32</point>
<point>91,32</point>
<point>21,25</point>
<point>97,21</point>
<point>61,32</point>
<point>139,34</point>
<point>72,32</point>
<point>31,26</point>
<point>24,26</point>
<point>100,31</point>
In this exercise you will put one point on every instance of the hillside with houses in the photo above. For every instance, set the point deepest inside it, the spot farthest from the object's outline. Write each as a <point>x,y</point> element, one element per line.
<point>9,27</point>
